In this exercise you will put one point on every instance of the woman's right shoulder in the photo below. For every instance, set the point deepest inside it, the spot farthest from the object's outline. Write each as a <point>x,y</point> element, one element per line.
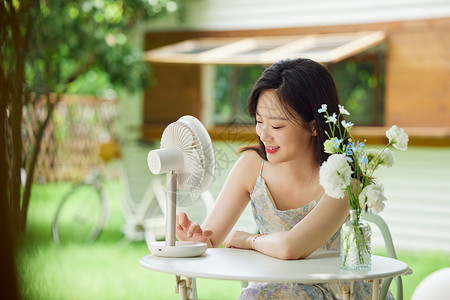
<point>247,168</point>
<point>250,158</point>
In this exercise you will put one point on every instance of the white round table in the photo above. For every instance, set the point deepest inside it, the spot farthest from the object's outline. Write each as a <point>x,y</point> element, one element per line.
<point>248,265</point>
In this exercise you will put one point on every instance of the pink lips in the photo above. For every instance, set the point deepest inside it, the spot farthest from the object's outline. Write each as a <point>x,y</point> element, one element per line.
<point>272,150</point>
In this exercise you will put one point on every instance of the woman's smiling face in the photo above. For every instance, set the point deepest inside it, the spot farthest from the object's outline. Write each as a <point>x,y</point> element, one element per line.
<point>284,138</point>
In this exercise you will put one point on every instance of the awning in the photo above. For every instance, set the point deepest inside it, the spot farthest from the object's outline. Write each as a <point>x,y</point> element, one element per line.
<point>324,48</point>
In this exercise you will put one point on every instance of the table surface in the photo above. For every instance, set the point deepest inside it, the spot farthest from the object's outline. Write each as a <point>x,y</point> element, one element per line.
<point>249,265</point>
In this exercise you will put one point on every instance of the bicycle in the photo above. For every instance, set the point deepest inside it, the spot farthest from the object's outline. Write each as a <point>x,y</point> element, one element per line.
<point>82,212</point>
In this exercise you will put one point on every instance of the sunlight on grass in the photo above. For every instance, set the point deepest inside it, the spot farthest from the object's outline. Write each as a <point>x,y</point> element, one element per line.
<point>105,269</point>
<point>96,271</point>
<point>422,264</point>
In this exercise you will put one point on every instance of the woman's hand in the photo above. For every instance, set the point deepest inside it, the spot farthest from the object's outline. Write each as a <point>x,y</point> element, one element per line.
<point>239,239</point>
<point>191,231</point>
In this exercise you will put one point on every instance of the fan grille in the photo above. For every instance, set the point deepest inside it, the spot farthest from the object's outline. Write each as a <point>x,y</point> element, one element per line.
<point>179,134</point>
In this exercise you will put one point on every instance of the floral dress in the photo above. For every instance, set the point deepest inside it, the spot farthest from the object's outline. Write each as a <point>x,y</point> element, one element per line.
<point>269,219</point>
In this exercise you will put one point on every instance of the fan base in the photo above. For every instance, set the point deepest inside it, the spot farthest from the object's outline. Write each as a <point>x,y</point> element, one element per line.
<point>181,249</point>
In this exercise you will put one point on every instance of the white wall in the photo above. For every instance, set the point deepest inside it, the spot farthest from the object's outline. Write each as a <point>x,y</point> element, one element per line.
<point>259,14</point>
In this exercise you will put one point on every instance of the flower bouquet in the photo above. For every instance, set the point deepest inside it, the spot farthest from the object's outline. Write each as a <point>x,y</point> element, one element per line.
<point>349,171</point>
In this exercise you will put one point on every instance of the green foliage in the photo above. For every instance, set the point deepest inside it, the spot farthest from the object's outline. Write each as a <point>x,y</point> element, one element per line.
<point>45,46</point>
<point>356,84</point>
<point>246,77</point>
<point>222,93</point>
<point>69,38</point>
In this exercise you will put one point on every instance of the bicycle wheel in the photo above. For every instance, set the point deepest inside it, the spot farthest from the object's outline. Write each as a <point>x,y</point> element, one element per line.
<point>81,214</point>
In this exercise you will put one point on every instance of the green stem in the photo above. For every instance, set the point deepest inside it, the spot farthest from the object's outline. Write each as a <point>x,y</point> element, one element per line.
<point>377,158</point>
<point>356,237</point>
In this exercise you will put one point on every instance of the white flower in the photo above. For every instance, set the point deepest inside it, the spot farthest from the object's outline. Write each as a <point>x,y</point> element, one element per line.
<point>398,138</point>
<point>375,158</point>
<point>371,154</point>
<point>342,110</point>
<point>373,197</point>
<point>335,175</point>
<point>332,118</point>
<point>387,158</point>
<point>322,109</point>
<point>347,124</point>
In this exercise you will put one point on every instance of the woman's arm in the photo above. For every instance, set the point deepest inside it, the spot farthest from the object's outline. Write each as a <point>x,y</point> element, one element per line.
<point>304,238</point>
<point>230,204</point>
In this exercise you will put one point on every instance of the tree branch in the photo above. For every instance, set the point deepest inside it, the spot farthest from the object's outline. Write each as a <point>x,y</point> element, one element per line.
<point>29,16</point>
<point>15,28</point>
<point>34,158</point>
<point>89,63</point>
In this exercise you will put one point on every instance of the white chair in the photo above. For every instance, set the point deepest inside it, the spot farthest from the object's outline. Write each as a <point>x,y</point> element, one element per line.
<point>138,225</point>
<point>377,220</point>
<point>387,237</point>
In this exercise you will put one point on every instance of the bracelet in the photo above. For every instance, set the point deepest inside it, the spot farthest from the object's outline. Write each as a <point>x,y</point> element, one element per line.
<point>254,239</point>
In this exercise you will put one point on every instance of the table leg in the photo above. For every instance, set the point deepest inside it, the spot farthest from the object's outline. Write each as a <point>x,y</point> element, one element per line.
<point>375,288</point>
<point>346,292</point>
<point>352,290</point>
<point>183,288</point>
<point>192,286</point>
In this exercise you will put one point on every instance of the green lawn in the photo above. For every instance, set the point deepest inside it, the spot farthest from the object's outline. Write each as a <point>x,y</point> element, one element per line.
<point>105,269</point>
<point>109,268</point>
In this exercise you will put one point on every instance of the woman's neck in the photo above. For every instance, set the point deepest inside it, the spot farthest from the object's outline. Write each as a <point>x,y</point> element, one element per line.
<point>300,170</point>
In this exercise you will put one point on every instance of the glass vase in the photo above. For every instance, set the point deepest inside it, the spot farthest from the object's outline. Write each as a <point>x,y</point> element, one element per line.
<point>356,236</point>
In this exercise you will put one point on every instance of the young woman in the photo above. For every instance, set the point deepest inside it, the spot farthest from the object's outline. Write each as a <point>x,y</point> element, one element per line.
<point>280,178</point>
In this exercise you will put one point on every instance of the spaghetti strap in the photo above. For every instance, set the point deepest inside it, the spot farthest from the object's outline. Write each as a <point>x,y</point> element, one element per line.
<point>262,166</point>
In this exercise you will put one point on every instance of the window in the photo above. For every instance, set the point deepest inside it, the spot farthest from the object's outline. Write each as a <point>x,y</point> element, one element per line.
<point>359,80</point>
<point>232,65</point>
<point>360,84</point>
<point>232,87</point>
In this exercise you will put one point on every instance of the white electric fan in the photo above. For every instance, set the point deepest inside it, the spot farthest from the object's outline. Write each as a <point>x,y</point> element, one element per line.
<point>187,156</point>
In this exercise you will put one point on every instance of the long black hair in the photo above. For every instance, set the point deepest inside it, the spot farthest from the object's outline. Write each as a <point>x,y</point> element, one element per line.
<point>301,86</point>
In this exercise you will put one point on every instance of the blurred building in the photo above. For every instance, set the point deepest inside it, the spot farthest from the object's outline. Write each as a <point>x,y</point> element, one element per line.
<point>403,44</point>
<point>407,43</point>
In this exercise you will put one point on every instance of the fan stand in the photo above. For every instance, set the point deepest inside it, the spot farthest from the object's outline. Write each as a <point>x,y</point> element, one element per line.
<point>185,145</point>
<point>170,247</point>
